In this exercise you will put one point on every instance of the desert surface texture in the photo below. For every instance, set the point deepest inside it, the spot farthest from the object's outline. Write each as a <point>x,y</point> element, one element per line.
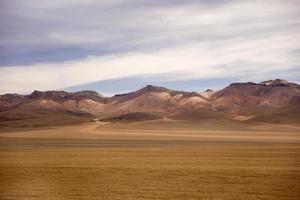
<point>158,159</point>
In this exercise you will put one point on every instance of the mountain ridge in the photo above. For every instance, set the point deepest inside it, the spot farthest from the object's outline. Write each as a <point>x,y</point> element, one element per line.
<point>237,101</point>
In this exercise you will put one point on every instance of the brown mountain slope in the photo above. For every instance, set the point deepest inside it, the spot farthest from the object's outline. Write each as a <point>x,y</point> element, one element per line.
<point>8,101</point>
<point>156,100</point>
<point>84,101</point>
<point>253,99</point>
<point>285,115</point>
<point>49,108</point>
<point>27,117</point>
<point>239,101</point>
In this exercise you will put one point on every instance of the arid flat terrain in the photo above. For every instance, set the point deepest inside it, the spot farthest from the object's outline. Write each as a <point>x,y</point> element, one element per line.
<point>154,160</point>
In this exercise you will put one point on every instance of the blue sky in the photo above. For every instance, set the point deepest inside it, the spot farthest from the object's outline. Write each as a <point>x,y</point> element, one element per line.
<point>114,46</point>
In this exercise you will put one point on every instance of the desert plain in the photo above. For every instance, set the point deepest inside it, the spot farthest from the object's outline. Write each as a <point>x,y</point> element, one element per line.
<point>158,159</point>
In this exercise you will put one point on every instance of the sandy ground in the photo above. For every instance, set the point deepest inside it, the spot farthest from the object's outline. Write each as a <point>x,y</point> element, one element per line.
<point>158,131</point>
<point>142,161</point>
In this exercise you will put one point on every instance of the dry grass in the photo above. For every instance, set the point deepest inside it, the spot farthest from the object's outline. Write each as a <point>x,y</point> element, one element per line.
<point>149,166</point>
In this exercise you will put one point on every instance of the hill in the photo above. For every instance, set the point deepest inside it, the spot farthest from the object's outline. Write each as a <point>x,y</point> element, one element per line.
<point>273,101</point>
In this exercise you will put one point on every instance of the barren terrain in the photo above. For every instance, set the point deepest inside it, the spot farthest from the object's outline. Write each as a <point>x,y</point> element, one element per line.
<point>161,159</point>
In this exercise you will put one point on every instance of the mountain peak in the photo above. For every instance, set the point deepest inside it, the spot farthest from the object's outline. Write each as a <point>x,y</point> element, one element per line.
<point>36,94</point>
<point>242,84</point>
<point>47,94</point>
<point>88,92</point>
<point>153,88</point>
<point>275,82</point>
<point>208,91</point>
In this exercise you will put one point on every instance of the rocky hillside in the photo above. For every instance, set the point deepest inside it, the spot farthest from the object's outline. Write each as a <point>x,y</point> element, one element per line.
<point>238,101</point>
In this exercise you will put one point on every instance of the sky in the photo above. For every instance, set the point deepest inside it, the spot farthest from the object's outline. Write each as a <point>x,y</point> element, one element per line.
<point>116,46</point>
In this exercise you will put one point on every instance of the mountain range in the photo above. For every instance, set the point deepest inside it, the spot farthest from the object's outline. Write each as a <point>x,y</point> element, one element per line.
<point>273,101</point>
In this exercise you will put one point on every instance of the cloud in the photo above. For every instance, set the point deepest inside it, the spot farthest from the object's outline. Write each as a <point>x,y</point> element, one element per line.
<point>59,44</point>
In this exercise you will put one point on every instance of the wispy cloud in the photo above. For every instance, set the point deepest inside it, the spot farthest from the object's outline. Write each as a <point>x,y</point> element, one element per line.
<point>113,39</point>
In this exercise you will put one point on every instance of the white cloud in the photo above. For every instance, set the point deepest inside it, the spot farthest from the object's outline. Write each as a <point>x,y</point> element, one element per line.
<point>196,40</point>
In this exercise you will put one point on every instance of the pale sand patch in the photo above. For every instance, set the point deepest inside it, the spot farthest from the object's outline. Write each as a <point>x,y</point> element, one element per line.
<point>107,130</point>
